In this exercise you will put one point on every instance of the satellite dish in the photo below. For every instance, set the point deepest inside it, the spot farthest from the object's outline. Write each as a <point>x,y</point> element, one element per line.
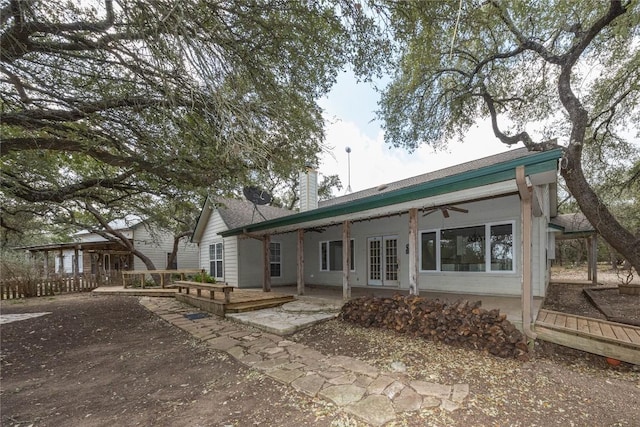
<point>256,195</point>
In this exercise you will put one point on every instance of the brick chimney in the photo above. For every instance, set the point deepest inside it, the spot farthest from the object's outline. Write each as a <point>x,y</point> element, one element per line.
<point>308,188</point>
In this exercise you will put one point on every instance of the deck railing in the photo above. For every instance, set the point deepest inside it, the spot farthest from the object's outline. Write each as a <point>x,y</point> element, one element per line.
<point>139,278</point>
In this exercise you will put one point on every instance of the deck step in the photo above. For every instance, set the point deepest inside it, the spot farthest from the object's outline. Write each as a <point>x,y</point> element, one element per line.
<point>602,337</point>
<point>240,307</point>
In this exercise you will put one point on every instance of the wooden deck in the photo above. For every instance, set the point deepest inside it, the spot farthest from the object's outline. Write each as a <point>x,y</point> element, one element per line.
<point>609,339</point>
<point>240,300</point>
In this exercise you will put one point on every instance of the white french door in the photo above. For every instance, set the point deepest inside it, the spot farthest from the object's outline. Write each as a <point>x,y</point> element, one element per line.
<point>382,261</point>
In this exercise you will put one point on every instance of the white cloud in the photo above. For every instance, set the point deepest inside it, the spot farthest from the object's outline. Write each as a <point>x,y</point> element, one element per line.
<point>373,162</point>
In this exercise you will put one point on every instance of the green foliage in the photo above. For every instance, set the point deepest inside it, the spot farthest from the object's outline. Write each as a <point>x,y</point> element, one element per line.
<point>199,278</point>
<point>116,103</point>
<point>547,74</point>
<point>448,58</point>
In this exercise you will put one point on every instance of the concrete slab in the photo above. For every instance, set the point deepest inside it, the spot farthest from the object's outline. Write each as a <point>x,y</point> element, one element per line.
<point>278,321</point>
<point>511,306</point>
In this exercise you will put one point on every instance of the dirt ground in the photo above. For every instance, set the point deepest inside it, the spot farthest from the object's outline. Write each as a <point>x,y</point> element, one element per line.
<point>571,298</point>
<point>97,361</point>
<point>108,361</point>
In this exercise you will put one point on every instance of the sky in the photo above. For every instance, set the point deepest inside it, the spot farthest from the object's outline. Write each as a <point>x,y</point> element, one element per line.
<point>350,122</point>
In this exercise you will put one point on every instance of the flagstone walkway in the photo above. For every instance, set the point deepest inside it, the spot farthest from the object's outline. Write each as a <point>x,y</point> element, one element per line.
<point>357,387</point>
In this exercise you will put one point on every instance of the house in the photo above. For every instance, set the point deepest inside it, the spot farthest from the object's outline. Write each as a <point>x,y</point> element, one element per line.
<point>236,259</point>
<point>91,253</point>
<point>480,227</point>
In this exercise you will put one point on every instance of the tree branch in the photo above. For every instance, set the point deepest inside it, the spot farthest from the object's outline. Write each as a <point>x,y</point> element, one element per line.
<point>523,136</point>
<point>525,43</point>
<point>28,193</point>
<point>30,118</point>
<point>15,40</point>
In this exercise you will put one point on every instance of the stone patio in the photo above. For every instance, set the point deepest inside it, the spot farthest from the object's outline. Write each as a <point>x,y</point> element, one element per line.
<point>358,388</point>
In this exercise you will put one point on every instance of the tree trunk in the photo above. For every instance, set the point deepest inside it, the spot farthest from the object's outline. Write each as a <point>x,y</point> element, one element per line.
<point>174,251</point>
<point>596,212</point>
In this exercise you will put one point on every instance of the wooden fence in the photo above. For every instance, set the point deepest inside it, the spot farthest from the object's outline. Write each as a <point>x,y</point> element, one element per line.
<point>55,285</point>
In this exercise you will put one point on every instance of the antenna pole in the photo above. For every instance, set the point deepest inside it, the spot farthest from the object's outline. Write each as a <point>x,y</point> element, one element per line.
<point>348,150</point>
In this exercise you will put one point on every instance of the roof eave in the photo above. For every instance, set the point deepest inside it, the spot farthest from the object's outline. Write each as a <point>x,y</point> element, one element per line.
<point>533,164</point>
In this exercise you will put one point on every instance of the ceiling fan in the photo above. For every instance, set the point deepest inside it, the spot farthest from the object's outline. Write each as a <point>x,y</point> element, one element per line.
<point>444,209</point>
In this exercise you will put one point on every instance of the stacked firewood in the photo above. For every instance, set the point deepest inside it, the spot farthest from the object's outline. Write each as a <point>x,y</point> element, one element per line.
<point>461,323</point>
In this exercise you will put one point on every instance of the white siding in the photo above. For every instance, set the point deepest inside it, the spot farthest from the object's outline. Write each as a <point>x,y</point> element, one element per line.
<point>157,244</point>
<point>541,240</point>
<point>230,248</point>
<point>503,209</point>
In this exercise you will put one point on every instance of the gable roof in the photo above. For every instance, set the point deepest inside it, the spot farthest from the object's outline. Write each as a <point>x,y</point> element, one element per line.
<point>235,213</point>
<point>476,173</point>
<point>572,225</point>
<point>127,223</point>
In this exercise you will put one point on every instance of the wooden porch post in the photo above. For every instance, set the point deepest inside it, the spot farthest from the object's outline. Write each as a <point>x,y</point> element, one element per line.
<point>413,252</point>
<point>589,258</point>
<point>61,267</point>
<point>46,264</point>
<point>300,263</point>
<point>76,269</point>
<point>594,254</point>
<point>346,259</point>
<point>525,217</point>
<point>266,279</point>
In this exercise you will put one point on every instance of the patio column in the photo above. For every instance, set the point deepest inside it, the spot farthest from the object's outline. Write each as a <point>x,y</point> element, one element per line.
<point>300,263</point>
<point>76,269</point>
<point>525,219</point>
<point>61,267</point>
<point>46,264</point>
<point>346,259</point>
<point>266,250</point>
<point>594,255</point>
<point>413,252</point>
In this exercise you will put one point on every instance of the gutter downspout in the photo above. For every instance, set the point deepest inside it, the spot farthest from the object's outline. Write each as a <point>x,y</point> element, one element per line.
<point>525,216</point>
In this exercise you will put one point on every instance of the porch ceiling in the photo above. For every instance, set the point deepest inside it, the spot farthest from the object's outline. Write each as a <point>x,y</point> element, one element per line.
<point>458,197</point>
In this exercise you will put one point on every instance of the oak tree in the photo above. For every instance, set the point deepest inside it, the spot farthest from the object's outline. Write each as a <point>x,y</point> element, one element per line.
<point>548,74</point>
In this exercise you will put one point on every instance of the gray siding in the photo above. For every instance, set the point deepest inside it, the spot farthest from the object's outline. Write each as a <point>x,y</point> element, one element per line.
<point>157,244</point>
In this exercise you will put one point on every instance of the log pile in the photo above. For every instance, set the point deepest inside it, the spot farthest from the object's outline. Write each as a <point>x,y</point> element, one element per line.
<point>461,323</point>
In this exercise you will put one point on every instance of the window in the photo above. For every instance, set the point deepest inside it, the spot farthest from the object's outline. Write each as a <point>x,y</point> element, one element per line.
<point>476,249</point>
<point>502,247</point>
<point>331,255</point>
<point>428,248</point>
<point>462,249</point>
<point>275,259</point>
<point>215,260</point>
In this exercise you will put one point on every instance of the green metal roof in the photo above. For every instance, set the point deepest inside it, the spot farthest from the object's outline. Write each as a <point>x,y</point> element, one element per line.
<point>499,172</point>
